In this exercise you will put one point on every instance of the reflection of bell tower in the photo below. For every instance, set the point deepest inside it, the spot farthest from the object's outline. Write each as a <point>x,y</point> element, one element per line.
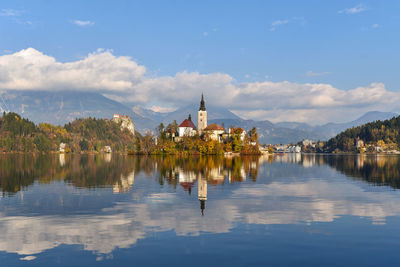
<point>202,193</point>
<point>202,116</point>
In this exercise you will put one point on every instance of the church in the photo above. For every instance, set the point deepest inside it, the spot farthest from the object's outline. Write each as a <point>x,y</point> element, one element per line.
<point>188,128</point>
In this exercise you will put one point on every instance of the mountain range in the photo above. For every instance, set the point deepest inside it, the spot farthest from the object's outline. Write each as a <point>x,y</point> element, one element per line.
<point>60,107</point>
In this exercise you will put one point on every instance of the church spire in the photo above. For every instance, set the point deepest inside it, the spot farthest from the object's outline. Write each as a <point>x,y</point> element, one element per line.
<point>202,104</point>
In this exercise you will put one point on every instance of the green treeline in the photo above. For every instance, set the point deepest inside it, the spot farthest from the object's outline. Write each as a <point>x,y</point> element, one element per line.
<point>21,135</point>
<point>201,144</point>
<point>94,135</point>
<point>382,134</point>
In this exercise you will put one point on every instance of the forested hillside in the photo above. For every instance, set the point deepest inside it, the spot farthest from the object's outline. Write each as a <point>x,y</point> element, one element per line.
<point>381,134</point>
<point>21,135</point>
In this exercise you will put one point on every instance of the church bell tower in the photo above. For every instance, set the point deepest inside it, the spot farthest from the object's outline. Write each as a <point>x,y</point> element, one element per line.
<point>202,116</point>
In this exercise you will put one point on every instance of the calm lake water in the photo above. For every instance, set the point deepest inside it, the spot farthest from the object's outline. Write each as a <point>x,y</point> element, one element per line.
<point>111,210</point>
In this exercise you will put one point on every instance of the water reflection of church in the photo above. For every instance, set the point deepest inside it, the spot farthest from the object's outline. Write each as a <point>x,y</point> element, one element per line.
<point>202,192</point>
<point>213,176</point>
<point>187,181</point>
<point>187,173</point>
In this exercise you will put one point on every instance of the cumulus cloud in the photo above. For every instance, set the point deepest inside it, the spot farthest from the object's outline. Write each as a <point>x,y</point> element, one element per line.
<point>83,23</point>
<point>121,78</point>
<point>30,69</point>
<point>353,10</point>
<point>277,23</point>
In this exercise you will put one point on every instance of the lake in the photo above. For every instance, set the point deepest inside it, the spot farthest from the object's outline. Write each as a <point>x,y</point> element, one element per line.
<point>114,210</point>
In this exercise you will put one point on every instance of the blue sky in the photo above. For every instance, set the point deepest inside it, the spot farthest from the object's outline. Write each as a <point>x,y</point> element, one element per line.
<point>345,44</point>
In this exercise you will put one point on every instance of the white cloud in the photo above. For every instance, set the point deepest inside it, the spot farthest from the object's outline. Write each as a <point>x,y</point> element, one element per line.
<point>375,26</point>
<point>7,12</point>
<point>24,22</point>
<point>353,10</point>
<point>121,78</point>
<point>310,73</point>
<point>30,69</point>
<point>162,109</point>
<point>83,23</point>
<point>278,23</point>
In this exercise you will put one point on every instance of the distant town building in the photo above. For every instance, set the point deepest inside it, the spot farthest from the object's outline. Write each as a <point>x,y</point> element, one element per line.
<point>294,149</point>
<point>360,143</point>
<point>125,121</point>
<point>307,142</point>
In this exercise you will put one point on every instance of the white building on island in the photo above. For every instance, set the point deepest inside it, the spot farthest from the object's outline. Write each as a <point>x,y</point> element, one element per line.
<point>213,131</point>
<point>187,128</point>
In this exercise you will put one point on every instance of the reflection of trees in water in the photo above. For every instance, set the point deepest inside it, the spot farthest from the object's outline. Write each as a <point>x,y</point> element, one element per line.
<point>93,170</point>
<point>379,170</point>
<point>88,171</point>
<point>214,169</point>
<point>18,171</point>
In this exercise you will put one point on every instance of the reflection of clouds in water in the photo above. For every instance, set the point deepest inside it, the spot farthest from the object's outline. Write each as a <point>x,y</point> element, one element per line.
<point>315,201</point>
<point>28,258</point>
<point>122,225</point>
<point>161,198</point>
<point>104,233</point>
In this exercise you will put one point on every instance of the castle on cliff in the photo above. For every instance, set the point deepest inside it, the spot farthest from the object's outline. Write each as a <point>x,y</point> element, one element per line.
<point>125,122</point>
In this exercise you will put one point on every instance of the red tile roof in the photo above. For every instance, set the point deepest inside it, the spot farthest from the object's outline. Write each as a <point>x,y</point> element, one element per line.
<point>214,127</point>
<point>187,123</point>
<point>170,131</point>
<point>237,130</point>
<point>186,185</point>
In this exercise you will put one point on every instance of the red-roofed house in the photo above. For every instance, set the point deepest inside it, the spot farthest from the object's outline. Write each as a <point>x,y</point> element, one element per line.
<point>237,131</point>
<point>215,132</point>
<point>187,127</point>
